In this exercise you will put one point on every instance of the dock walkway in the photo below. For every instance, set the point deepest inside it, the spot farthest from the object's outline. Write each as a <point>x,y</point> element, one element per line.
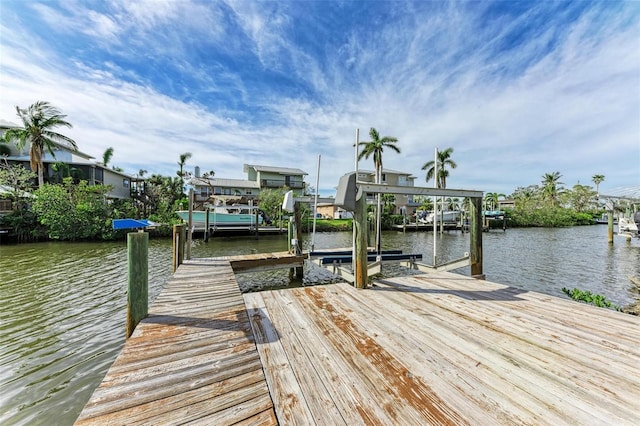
<point>438,348</point>
<point>192,360</point>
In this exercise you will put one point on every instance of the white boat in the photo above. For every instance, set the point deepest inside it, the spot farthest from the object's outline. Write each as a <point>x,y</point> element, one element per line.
<point>448,216</point>
<point>627,227</point>
<point>226,216</point>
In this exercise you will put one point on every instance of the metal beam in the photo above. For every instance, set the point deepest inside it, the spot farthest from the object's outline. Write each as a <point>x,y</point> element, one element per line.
<point>415,190</point>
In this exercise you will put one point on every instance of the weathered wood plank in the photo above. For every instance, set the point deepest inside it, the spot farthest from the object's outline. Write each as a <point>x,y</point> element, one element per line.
<point>289,402</point>
<point>356,403</point>
<point>481,373</point>
<point>404,397</point>
<point>192,360</point>
<point>321,404</point>
<point>489,354</point>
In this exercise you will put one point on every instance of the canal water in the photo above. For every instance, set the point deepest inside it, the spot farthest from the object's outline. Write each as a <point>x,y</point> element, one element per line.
<point>62,305</point>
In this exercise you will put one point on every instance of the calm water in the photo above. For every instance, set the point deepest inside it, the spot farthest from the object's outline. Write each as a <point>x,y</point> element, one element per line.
<point>62,305</point>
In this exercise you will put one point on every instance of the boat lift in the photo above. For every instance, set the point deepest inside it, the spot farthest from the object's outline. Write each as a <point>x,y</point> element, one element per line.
<point>351,196</point>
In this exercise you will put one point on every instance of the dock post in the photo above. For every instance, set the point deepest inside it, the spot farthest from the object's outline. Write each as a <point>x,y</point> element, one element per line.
<point>475,242</point>
<point>138,279</point>
<point>190,230</point>
<point>360,272</point>
<point>257,217</point>
<point>206,225</point>
<point>190,226</point>
<point>610,226</point>
<point>298,218</point>
<point>178,245</point>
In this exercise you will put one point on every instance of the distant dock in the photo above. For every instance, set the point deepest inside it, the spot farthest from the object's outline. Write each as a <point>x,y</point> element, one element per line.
<point>437,348</point>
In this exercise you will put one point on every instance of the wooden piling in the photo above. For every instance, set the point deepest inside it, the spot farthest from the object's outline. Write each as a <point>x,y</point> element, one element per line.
<point>257,218</point>
<point>475,243</point>
<point>190,229</point>
<point>360,267</point>
<point>178,245</point>
<point>138,279</point>
<point>610,226</point>
<point>206,225</point>
<point>297,213</point>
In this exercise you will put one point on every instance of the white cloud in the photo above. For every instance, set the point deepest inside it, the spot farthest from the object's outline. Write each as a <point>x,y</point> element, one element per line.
<point>434,79</point>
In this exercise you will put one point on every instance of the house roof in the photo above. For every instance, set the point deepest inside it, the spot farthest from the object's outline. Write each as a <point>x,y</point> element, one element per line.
<point>73,151</point>
<point>4,124</point>
<point>279,170</point>
<point>225,183</point>
<point>59,146</point>
<point>396,172</point>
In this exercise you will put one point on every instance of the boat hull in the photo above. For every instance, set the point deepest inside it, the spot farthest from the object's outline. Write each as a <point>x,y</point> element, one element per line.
<point>447,217</point>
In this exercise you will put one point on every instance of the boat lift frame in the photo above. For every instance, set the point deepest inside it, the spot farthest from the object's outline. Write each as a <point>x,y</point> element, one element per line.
<point>351,196</point>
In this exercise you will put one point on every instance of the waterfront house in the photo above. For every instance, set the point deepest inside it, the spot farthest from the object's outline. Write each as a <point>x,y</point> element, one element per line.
<point>404,204</point>
<point>75,164</point>
<point>258,179</point>
<point>224,189</point>
<point>277,177</point>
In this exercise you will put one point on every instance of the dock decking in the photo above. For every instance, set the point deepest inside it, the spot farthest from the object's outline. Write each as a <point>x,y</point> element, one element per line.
<point>440,348</point>
<point>192,360</point>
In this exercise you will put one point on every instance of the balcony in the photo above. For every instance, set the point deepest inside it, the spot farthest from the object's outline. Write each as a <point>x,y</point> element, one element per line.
<point>279,183</point>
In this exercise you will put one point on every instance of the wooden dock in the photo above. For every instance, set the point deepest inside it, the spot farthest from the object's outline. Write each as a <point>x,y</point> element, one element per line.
<point>192,360</point>
<point>438,348</point>
<point>265,261</point>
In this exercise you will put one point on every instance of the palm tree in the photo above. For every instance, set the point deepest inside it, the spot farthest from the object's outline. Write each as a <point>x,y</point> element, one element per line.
<point>598,179</point>
<point>106,156</point>
<point>524,196</point>
<point>491,200</point>
<point>550,189</point>
<point>38,122</point>
<point>375,147</point>
<point>181,173</point>
<point>444,160</point>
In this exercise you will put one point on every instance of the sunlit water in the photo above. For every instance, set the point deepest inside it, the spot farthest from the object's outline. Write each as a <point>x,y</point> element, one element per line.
<point>62,305</point>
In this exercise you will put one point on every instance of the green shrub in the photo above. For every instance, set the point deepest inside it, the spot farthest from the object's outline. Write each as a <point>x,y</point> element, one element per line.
<point>590,298</point>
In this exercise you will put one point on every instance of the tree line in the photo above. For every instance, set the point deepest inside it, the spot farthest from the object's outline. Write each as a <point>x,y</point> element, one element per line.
<point>72,209</point>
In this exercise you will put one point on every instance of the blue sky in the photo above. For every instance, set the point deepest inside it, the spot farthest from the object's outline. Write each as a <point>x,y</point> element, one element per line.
<point>517,89</point>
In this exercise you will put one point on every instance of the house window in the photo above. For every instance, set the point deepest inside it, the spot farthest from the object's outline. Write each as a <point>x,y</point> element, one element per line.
<point>248,192</point>
<point>384,177</point>
<point>205,191</point>
<point>125,183</point>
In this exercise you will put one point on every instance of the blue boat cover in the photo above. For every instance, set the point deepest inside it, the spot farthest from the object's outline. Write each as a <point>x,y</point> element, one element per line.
<point>131,223</point>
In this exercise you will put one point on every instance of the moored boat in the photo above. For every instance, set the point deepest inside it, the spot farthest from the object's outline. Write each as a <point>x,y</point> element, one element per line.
<point>447,217</point>
<point>226,216</point>
<point>628,227</point>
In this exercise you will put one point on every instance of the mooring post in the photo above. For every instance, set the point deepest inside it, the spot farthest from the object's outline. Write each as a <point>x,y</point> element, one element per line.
<point>190,230</point>
<point>475,242</point>
<point>360,265</point>
<point>138,277</point>
<point>298,229</point>
<point>206,225</point>
<point>178,245</point>
<point>257,217</point>
<point>610,226</point>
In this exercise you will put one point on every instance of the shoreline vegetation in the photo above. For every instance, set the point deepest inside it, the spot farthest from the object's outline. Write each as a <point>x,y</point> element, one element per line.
<point>50,219</point>
<point>67,208</point>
